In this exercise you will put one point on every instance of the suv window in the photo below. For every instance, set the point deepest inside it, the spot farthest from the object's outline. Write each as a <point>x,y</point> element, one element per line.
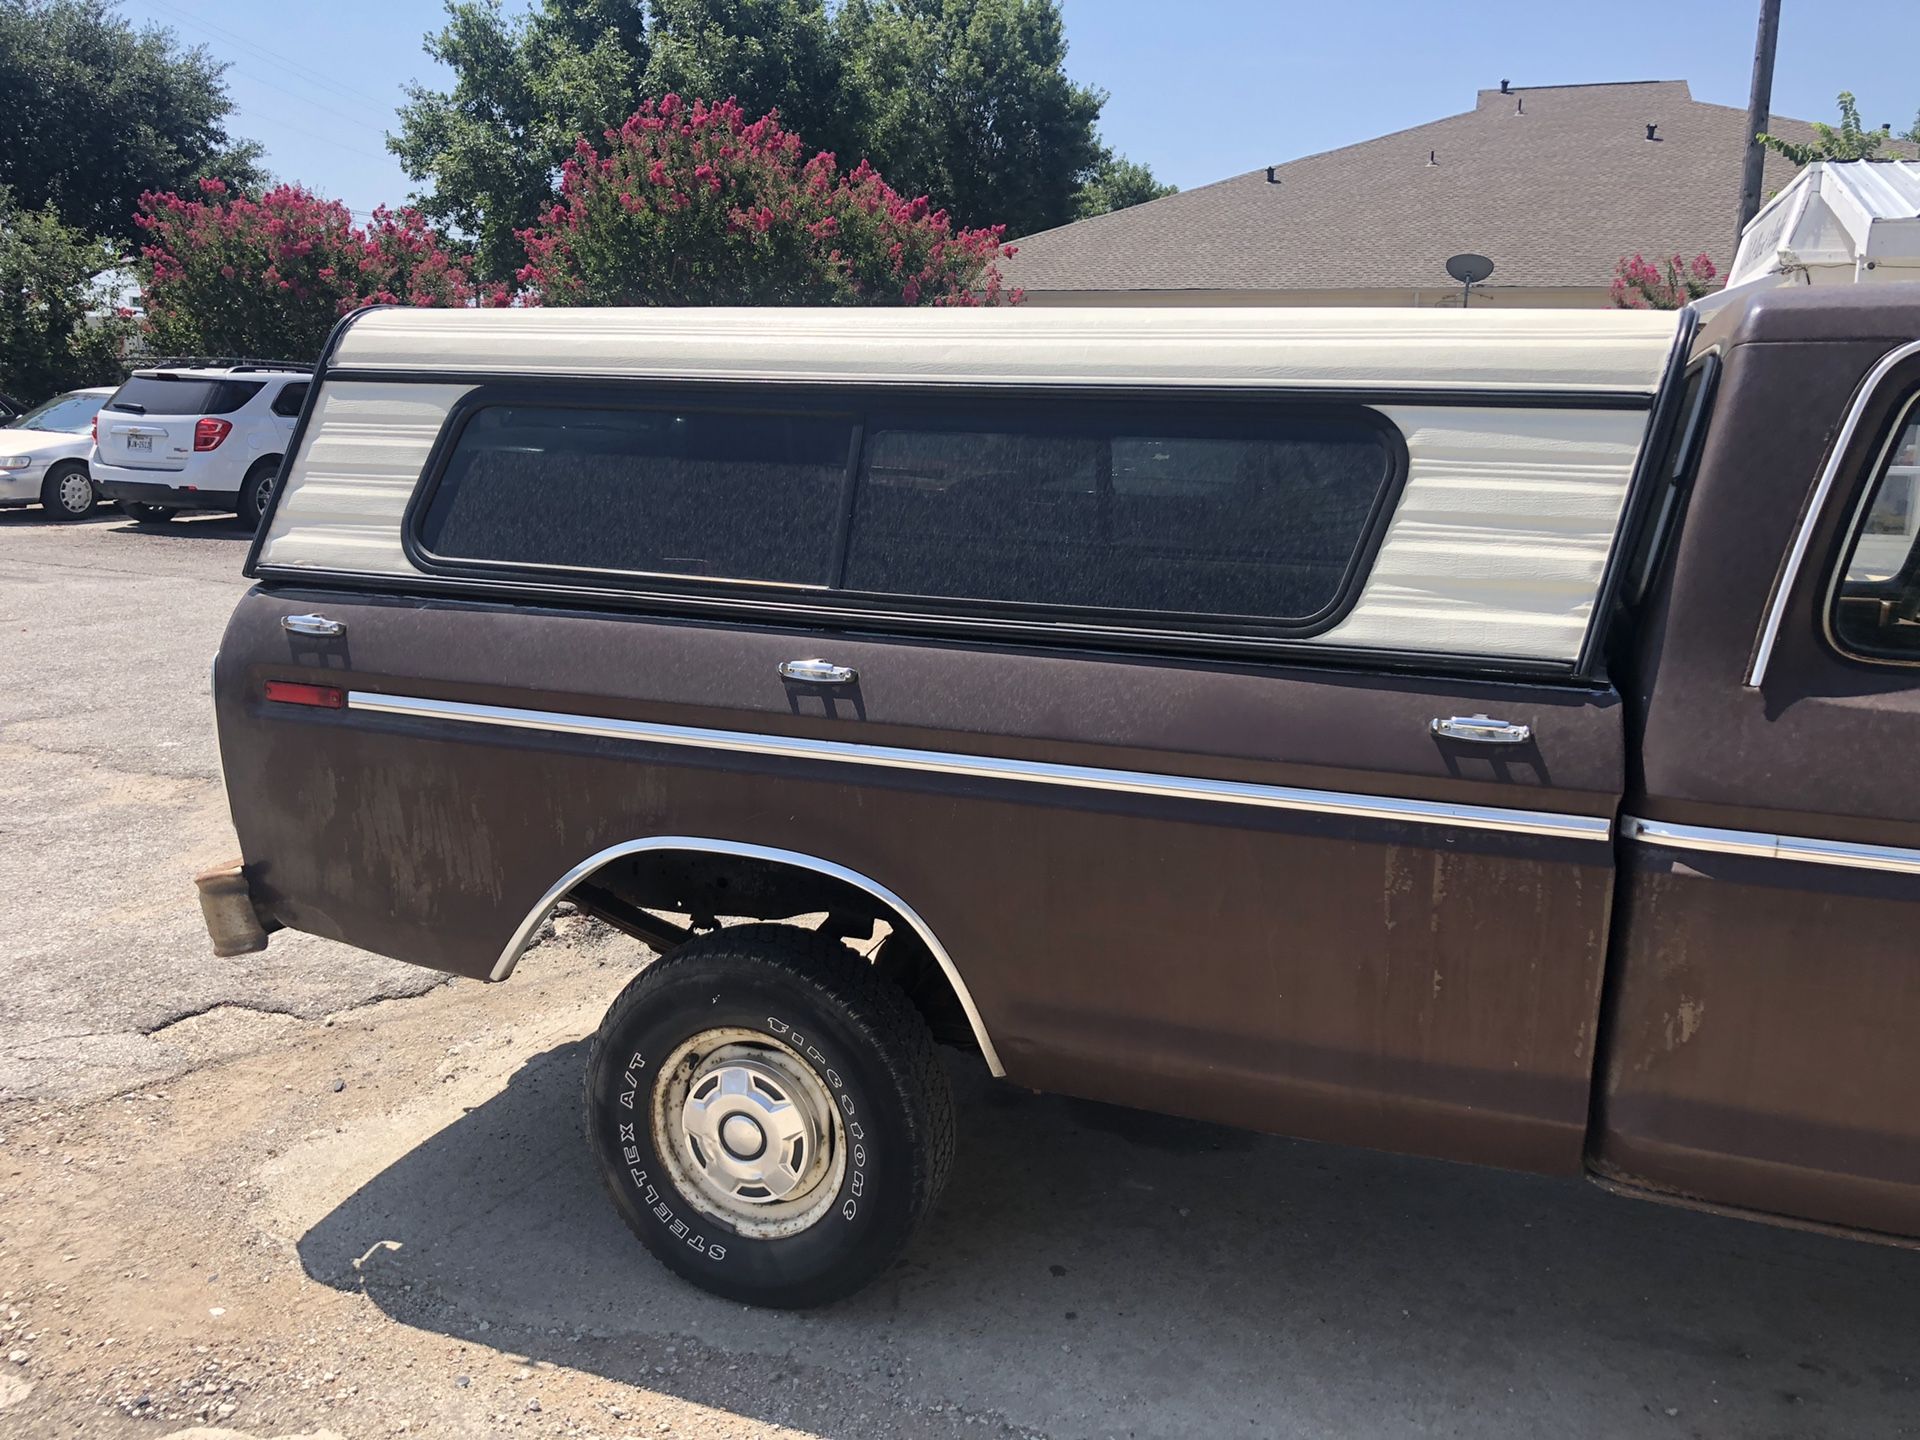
<point>726,495</point>
<point>183,395</point>
<point>290,399</point>
<point>1876,604</point>
<point>1253,517</point>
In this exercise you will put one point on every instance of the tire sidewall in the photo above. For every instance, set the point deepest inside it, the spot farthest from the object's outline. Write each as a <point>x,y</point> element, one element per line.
<point>874,1204</point>
<point>50,493</point>
<point>252,504</point>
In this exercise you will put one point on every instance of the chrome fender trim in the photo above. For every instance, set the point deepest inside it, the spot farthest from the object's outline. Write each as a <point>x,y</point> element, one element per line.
<point>523,936</point>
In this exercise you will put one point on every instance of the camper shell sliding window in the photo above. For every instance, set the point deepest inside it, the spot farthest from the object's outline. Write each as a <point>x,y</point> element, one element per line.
<point>1256,517</point>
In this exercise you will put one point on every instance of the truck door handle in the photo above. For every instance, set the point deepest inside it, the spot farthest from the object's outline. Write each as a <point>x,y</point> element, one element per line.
<point>1482,730</point>
<point>316,625</point>
<point>818,672</point>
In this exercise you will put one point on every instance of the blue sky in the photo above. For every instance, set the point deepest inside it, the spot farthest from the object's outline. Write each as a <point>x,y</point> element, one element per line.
<point>1200,90</point>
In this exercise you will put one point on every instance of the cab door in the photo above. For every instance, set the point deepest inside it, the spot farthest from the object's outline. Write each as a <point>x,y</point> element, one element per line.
<point>1765,984</point>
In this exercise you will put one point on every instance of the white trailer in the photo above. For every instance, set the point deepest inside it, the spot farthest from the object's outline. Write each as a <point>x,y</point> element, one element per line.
<point>1836,222</point>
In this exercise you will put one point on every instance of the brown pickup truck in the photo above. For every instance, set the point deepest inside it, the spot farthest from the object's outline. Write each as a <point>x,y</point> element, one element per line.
<point>1475,734</point>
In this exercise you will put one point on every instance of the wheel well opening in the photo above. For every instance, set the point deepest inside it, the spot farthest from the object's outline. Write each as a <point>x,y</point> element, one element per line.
<point>666,896</point>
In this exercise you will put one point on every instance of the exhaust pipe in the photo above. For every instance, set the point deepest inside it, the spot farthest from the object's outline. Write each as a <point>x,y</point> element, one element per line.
<point>234,923</point>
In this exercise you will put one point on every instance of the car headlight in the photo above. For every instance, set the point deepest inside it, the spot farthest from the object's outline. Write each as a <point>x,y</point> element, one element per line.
<point>15,462</point>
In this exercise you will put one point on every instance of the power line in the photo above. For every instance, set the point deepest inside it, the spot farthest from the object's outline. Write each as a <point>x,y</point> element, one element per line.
<point>314,77</point>
<point>364,123</point>
<point>285,123</point>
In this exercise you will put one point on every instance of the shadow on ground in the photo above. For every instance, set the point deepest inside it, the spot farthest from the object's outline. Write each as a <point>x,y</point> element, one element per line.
<point>200,525</point>
<point>32,517</point>
<point>1099,1271</point>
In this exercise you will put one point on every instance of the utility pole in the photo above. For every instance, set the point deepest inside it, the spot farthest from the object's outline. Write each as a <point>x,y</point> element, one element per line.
<point>1759,108</point>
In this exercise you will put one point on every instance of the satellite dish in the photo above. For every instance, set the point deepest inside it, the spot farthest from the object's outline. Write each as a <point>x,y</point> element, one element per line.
<point>1469,269</point>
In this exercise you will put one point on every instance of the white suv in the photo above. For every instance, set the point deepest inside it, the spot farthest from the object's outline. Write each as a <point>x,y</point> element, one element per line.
<point>199,438</point>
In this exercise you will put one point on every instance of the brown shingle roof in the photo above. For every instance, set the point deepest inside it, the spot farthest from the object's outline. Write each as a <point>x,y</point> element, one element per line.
<point>1555,184</point>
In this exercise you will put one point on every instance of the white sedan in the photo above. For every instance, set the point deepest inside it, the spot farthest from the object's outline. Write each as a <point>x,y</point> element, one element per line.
<point>43,455</point>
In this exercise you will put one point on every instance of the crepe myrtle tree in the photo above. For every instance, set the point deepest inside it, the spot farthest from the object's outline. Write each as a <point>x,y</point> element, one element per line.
<point>1639,284</point>
<point>223,274</point>
<point>695,204</point>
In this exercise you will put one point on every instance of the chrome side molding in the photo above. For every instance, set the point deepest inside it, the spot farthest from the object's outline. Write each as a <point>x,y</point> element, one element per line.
<point>995,767</point>
<point>1854,856</point>
<point>557,892</point>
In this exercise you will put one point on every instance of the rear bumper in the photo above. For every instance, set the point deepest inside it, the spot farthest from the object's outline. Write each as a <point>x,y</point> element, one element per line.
<point>234,923</point>
<point>172,497</point>
<point>159,487</point>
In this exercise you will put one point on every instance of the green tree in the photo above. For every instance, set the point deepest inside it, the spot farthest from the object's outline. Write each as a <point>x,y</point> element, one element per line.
<point>96,112</point>
<point>769,55</point>
<point>525,88</point>
<point>1118,183</point>
<point>1847,141</point>
<point>969,101</point>
<point>965,101</point>
<point>58,328</point>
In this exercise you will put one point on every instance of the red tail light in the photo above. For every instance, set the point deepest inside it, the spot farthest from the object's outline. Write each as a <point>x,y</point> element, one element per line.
<point>208,432</point>
<point>290,692</point>
<point>96,428</point>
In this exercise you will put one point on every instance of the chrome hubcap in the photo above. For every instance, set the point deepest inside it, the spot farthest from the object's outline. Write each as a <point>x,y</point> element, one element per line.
<point>750,1132</point>
<point>76,491</point>
<point>263,496</point>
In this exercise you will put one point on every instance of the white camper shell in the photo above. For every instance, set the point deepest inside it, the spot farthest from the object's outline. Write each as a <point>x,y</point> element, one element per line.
<point>1836,222</point>
<point>1520,428</point>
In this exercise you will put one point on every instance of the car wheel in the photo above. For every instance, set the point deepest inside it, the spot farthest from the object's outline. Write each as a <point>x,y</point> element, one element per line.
<point>256,491</point>
<point>769,1115</point>
<point>67,493</point>
<point>144,514</point>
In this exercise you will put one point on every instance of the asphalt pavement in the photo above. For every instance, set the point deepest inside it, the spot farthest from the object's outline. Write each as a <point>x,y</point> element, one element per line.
<point>315,1190</point>
<point>110,800</point>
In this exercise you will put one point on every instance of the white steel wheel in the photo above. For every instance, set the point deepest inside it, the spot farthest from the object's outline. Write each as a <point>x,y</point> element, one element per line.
<point>749,1132</point>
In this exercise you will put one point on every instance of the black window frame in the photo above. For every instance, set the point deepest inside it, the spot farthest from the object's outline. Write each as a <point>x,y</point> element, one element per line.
<point>1904,412</point>
<point>871,408</point>
<point>280,399</point>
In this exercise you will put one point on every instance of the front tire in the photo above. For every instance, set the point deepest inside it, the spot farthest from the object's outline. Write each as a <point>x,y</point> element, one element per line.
<point>67,493</point>
<point>770,1116</point>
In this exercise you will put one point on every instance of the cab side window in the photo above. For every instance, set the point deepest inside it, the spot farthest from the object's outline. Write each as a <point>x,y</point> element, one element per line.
<point>1876,602</point>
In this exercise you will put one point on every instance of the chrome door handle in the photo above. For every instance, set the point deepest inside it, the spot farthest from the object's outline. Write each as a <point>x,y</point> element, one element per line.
<point>1482,730</point>
<point>316,625</point>
<point>818,672</point>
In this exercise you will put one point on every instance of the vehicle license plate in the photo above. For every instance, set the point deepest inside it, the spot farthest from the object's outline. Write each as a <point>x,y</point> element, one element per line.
<point>139,442</point>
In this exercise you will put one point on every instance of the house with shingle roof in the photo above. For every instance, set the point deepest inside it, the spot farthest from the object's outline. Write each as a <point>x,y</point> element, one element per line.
<point>1553,183</point>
